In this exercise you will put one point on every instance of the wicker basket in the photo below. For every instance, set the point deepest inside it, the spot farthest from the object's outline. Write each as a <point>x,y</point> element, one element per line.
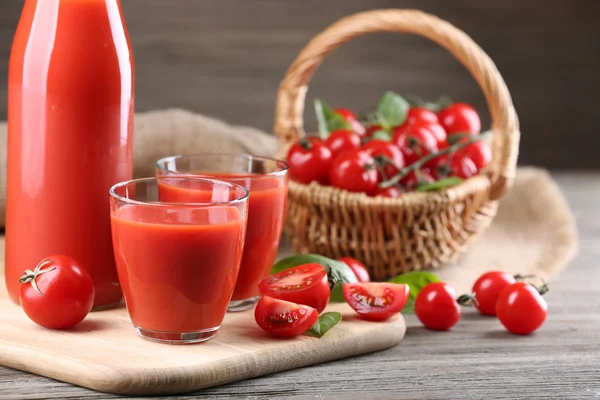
<point>419,230</point>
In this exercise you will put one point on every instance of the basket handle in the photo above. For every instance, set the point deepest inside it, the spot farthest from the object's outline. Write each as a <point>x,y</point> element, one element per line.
<point>289,124</point>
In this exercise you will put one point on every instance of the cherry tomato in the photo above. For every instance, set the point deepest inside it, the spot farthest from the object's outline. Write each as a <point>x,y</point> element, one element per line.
<point>309,160</point>
<point>358,268</point>
<point>376,301</point>
<point>58,293</point>
<point>354,171</point>
<point>479,152</point>
<point>460,118</point>
<point>371,129</point>
<point>439,134</point>
<point>392,192</point>
<point>282,318</point>
<point>381,148</point>
<point>415,142</point>
<point>462,166</point>
<point>521,308</point>
<point>415,179</point>
<point>352,119</point>
<point>436,306</point>
<point>487,290</point>
<point>421,114</point>
<point>342,140</point>
<point>305,284</point>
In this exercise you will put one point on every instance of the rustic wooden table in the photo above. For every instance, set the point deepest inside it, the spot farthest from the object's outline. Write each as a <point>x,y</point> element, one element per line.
<point>474,361</point>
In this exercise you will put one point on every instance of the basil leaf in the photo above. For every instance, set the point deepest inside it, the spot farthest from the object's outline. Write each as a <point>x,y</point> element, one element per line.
<point>337,272</point>
<point>392,110</point>
<point>325,322</point>
<point>382,135</point>
<point>328,120</point>
<point>416,280</point>
<point>439,185</point>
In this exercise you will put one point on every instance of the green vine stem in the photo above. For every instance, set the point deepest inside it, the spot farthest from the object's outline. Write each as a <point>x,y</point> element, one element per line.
<point>30,276</point>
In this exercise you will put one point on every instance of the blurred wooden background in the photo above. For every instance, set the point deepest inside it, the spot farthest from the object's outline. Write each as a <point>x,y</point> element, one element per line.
<point>225,58</point>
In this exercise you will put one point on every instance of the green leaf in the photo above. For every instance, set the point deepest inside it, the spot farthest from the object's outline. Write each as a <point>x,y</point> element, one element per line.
<point>392,110</point>
<point>325,322</point>
<point>456,137</point>
<point>438,185</point>
<point>328,120</point>
<point>337,272</point>
<point>382,135</point>
<point>416,281</point>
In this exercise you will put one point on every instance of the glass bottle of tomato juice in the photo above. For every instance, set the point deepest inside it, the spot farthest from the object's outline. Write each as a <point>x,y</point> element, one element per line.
<point>70,122</point>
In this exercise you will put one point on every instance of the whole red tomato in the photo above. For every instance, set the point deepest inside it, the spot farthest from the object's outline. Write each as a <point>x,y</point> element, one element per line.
<point>57,294</point>
<point>390,154</point>
<point>421,114</point>
<point>462,166</point>
<point>354,171</point>
<point>439,133</point>
<point>479,152</point>
<point>392,192</point>
<point>416,178</point>
<point>358,268</point>
<point>342,140</point>
<point>415,142</point>
<point>309,160</point>
<point>352,119</point>
<point>436,306</point>
<point>521,308</point>
<point>487,289</point>
<point>460,118</point>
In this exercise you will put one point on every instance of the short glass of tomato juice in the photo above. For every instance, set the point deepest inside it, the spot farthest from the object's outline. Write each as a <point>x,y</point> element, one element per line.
<point>178,261</point>
<point>266,179</point>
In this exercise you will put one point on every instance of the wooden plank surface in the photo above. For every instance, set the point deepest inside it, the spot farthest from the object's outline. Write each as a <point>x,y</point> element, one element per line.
<point>225,58</point>
<point>476,360</point>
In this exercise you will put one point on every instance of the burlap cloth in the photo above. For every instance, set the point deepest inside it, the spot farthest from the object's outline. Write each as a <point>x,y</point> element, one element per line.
<point>533,233</point>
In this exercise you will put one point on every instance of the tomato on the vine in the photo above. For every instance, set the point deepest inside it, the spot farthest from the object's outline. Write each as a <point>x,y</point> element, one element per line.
<point>390,155</point>
<point>521,308</point>
<point>305,284</point>
<point>421,114</point>
<point>487,288</point>
<point>342,140</point>
<point>282,318</point>
<point>460,118</point>
<point>436,306</point>
<point>354,171</point>
<point>439,134</point>
<point>358,268</point>
<point>309,160</point>
<point>58,293</point>
<point>416,178</point>
<point>479,152</point>
<point>462,166</point>
<point>415,142</point>
<point>376,301</point>
<point>393,192</point>
<point>352,119</point>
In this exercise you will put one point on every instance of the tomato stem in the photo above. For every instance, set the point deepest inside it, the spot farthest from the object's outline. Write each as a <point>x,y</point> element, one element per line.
<point>467,300</point>
<point>305,144</point>
<point>30,276</point>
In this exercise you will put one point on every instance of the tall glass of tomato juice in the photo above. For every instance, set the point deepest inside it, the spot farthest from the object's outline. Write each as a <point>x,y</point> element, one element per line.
<point>70,134</point>
<point>178,260</point>
<point>267,180</point>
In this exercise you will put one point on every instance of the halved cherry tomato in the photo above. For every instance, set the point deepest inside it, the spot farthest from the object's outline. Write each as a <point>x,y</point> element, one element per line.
<point>436,306</point>
<point>354,171</point>
<point>305,284</point>
<point>358,268</point>
<point>415,142</point>
<point>392,192</point>
<point>460,118</point>
<point>487,289</point>
<point>352,119</point>
<point>384,149</point>
<point>282,318</point>
<point>309,160</point>
<point>376,301</point>
<point>342,140</point>
<point>421,114</point>
<point>58,293</point>
<point>521,308</point>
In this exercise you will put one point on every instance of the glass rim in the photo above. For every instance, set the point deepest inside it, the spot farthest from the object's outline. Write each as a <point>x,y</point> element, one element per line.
<point>283,166</point>
<point>238,200</point>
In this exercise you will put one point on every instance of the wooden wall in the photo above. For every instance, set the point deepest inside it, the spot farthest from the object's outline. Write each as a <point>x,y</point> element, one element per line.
<point>225,58</point>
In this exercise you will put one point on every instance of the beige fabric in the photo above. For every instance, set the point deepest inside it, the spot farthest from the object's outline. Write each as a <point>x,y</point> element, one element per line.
<point>534,231</point>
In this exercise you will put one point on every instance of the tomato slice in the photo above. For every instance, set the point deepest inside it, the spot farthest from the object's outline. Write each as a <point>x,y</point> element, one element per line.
<point>376,301</point>
<point>281,318</point>
<point>305,284</point>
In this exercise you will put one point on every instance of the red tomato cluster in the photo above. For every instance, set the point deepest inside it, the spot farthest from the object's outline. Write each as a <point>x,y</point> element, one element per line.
<point>360,158</point>
<point>518,305</point>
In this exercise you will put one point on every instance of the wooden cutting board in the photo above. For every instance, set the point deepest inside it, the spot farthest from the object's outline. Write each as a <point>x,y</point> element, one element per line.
<point>104,353</point>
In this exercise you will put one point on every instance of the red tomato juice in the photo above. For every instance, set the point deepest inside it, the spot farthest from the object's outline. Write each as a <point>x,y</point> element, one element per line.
<point>71,85</point>
<point>266,211</point>
<point>177,268</point>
